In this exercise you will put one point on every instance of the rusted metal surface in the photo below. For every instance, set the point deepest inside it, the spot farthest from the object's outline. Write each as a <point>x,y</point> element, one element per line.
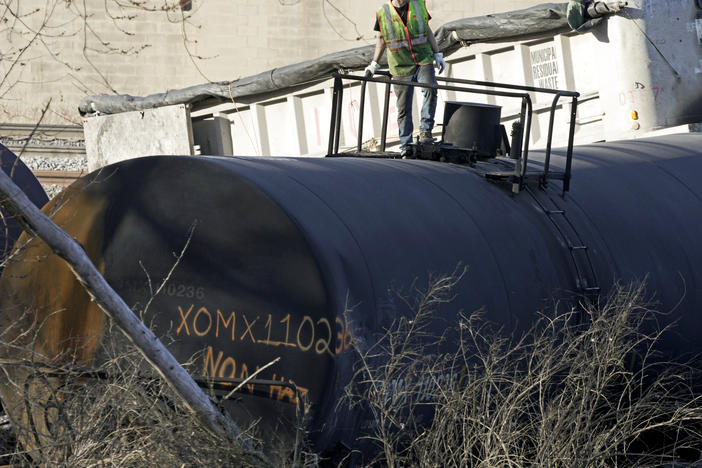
<point>64,323</point>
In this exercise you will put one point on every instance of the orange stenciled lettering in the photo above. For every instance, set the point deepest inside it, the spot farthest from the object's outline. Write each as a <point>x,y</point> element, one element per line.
<point>201,311</point>
<point>286,321</point>
<point>306,319</point>
<point>343,336</point>
<point>228,362</point>
<point>281,392</point>
<point>184,320</point>
<point>248,329</point>
<point>322,345</point>
<point>232,320</point>
<point>211,364</point>
<point>269,327</point>
<point>215,367</point>
<point>245,375</point>
<point>287,392</point>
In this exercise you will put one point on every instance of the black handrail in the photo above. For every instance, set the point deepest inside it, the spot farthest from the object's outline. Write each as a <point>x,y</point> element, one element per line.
<point>360,116</point>
<point>333,147</point>
<point>525,115</point>
<point>386,107</point>
<point>338,93</point>
<point>569,151</point>
<point>530,89</point>
<point>571,132</point>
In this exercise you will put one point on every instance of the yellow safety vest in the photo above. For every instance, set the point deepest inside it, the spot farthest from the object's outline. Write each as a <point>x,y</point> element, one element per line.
<point>407,46</point>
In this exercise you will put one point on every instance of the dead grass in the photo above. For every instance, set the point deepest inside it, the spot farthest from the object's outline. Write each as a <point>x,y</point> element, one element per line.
<point>117,415</point>
<point>583,388</point>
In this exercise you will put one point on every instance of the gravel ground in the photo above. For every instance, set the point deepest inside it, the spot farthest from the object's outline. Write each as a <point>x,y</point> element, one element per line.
<point>52,190</point>
<point>55,163</point>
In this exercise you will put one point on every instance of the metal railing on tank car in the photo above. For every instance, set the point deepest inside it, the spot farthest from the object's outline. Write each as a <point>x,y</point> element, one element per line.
<point>519,152</point>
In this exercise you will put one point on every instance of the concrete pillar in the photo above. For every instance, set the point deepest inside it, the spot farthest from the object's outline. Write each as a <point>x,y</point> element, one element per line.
<point>258,118</point>
<point>484,64</point>
<point>299,137</point>
<point>565,62</point>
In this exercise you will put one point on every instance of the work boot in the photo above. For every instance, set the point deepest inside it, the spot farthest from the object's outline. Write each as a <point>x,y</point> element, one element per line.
<point>425,137</point>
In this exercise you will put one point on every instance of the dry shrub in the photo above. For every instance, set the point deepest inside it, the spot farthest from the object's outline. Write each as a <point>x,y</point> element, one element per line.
<point>583,388</point>
<point>120,414</point>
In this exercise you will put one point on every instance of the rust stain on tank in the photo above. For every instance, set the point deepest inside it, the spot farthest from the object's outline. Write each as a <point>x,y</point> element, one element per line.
<point>47,307</point>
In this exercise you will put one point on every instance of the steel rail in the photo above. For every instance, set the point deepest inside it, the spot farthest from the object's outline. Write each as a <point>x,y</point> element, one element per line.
<point>63,178</point>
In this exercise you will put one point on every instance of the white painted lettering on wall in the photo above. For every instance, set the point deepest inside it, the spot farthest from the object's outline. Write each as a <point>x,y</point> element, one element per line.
<point>544,67</point>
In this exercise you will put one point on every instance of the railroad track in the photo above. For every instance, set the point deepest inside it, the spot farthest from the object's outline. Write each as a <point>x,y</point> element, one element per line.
<point>63,178</point>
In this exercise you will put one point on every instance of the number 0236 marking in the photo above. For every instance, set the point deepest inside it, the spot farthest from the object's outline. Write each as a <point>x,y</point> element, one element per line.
<point>185,290</point>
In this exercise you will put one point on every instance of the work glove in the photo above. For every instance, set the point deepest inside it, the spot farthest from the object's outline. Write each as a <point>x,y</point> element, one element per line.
<point>440,64</point>
<point>372,68</point>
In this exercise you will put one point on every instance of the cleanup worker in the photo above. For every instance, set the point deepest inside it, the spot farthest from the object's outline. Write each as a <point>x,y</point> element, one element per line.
<point>411,51</point>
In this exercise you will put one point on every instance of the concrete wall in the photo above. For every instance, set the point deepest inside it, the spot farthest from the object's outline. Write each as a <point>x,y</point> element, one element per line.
<point>638,72</point>
<point>110,48</point>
